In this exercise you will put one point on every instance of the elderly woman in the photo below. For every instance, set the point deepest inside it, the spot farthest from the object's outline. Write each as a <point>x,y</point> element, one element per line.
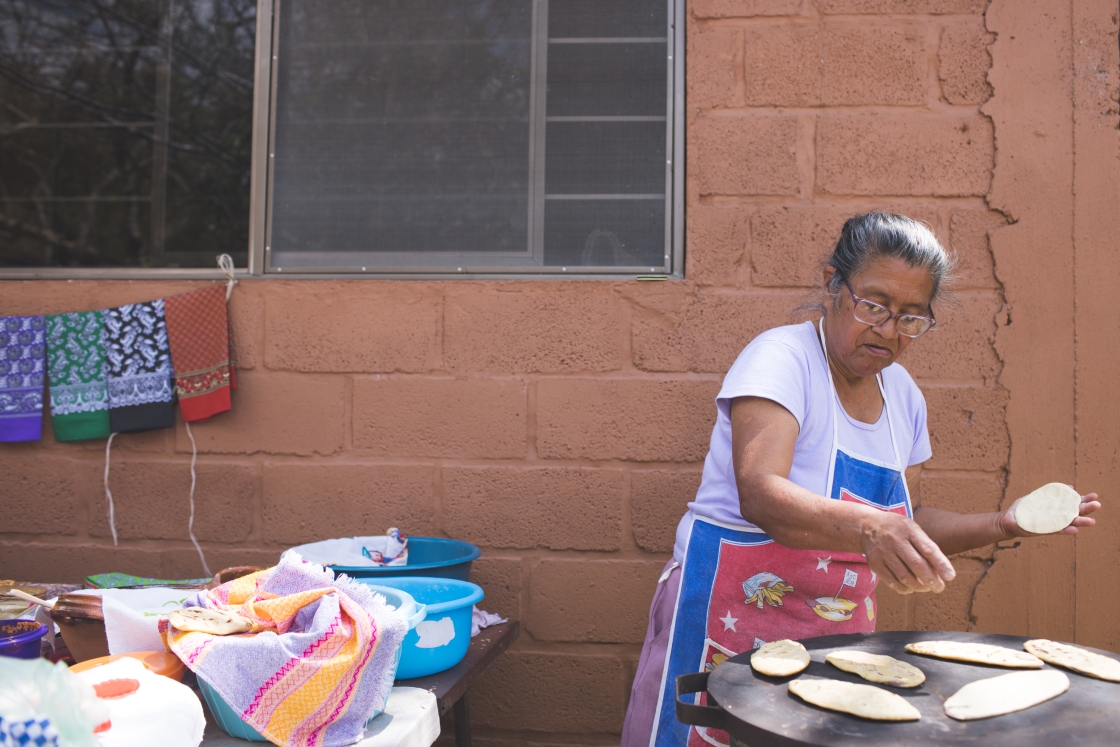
<point>809,495</point>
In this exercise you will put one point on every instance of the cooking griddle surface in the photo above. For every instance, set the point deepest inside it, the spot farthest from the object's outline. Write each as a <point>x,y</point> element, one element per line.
<point>766,714</point>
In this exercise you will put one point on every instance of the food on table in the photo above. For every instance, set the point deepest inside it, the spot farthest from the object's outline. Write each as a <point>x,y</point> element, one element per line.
<point>1075,658</point>
<point>877,668</point>
<point>864,701</point>
<point>214,622</point>
<point>1007,693</point>
<point>780,658</point>
<point>1049,509</point>
<point>980,653</point>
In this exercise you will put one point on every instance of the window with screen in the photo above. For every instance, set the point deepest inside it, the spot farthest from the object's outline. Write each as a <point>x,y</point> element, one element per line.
<point>125,132</point>
<point>472,136</point>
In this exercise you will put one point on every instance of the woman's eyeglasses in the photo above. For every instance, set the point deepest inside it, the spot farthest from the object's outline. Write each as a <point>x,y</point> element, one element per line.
<point>869,312</point>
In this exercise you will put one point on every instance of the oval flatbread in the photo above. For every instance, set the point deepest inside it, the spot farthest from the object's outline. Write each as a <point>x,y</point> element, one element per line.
<point>1077,659</point>
<point>864,701</point>
<point>980,653</point>
<point>215,622</point>
<point>1007,693</point>
<point>780,658</point>
<point>1049,509</point>
<point>877,668</point>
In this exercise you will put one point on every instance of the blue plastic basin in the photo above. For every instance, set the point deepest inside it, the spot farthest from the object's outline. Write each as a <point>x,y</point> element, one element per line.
<point>428,557</point>
<point>233,725</point>
<point>442,640</point>
<point>20,639</point>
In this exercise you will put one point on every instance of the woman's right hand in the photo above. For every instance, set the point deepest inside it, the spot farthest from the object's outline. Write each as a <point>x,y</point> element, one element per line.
<point>901,554</point>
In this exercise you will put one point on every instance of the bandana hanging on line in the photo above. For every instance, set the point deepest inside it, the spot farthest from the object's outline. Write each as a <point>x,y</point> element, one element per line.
<point>23,352</point>
<point>78,375</point>
<point>139,368</point>
<point>198,332</point>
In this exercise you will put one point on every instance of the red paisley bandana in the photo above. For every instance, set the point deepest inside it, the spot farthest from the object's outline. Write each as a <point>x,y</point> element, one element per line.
<point>198,330</point>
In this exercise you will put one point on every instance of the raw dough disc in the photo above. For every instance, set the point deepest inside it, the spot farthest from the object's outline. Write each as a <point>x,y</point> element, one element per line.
<point>215,622</point>
<point>877,668</point>
<point>981,653</point>
<point>1007,693</point>
<point>864,701</point>
<point>1049,509</point>
<point>1077,659</point>
<point>780,658</point>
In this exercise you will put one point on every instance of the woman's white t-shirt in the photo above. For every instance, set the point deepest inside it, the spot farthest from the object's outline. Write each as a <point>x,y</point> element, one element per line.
<point>787,365</point>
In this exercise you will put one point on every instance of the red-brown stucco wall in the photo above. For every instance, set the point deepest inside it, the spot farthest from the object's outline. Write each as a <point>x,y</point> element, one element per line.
<point>561,425</point>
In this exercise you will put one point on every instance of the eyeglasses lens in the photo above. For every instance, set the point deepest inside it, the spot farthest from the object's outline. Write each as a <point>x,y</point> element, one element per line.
<point>873,314</point>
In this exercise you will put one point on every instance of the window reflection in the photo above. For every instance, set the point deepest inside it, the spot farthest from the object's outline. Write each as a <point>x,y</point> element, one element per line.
<point>125,131</point>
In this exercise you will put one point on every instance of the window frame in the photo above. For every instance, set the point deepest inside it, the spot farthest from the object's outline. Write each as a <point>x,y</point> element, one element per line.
<point>261,176</point>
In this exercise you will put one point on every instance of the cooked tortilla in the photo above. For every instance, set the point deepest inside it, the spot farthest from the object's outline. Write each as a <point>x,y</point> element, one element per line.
<point>1077,659</point>
<point>1049,509</point>
<point>877,668</point>
<point>980,653</point>
<point>780,658</point>
<point>864,701</point>
<point>1007,693</point>
<point>214,622</point>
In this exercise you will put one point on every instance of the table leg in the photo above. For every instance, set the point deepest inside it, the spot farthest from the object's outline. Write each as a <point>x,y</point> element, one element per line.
<point>462,722</point>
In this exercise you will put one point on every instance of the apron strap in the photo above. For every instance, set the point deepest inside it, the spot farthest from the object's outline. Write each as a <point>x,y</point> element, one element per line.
<point>836,413</point>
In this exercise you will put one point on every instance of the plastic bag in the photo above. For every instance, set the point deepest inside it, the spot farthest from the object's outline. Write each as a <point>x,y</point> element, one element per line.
<point>32,690</point>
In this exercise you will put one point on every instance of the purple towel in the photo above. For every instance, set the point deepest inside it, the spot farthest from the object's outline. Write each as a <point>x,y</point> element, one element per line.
<point>23,354</point>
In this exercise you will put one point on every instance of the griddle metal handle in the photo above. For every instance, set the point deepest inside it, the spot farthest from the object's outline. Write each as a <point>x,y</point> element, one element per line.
<point>694,714</point>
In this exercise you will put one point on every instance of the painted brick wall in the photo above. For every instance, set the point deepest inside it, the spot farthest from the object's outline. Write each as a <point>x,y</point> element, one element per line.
<point>561,425</point>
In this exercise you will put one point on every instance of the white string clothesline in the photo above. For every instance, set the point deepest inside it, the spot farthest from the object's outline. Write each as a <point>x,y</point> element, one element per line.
<point>225,264</point>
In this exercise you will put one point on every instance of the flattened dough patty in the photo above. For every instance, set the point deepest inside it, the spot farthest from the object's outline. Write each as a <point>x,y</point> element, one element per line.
<point>1007,693</point>
<point>877,668</point>
<point>1049,509</point>
<point>215,622</point>
<point>980,653</point>
<point>865,701</point>
<point>780,658</point>
<point>1075,658</point>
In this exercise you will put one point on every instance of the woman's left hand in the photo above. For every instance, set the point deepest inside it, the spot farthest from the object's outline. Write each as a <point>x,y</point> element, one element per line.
<point>1010,526</point>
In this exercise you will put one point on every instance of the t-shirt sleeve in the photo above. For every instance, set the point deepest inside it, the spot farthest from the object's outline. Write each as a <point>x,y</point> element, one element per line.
<point>773,370</point>
<point>921,449</point>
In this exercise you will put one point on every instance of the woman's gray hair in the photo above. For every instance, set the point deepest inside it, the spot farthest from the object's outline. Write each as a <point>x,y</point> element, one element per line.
<point>869,236</point>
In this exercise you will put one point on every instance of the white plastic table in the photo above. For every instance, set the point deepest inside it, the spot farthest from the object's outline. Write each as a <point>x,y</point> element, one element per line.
<point>411,719</point>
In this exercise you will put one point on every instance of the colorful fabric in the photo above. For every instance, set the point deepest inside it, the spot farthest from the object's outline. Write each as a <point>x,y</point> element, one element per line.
<point>140,370</point>
<point>79,375</point>
<point>23,365</point>
<point>198,331</point>
<point>318,663</point>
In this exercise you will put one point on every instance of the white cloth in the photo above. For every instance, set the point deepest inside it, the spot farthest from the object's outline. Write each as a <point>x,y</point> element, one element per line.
<point>132,615</point>
<point>410,719</point>
<point>482,619</point>
<point>348,551</point>
<point>162,712</point>
<point>786,365</point>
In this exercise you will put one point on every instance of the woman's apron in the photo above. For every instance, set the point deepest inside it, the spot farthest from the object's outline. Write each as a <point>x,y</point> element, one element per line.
<point>740,589</point>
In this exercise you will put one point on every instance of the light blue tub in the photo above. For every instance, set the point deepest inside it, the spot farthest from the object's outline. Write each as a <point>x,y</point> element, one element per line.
<point>232,724</point>
<point>441,640</point>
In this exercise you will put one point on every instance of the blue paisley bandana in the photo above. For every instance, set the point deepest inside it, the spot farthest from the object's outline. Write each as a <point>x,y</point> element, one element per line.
<point>140,375</point>
<point>22,368</point>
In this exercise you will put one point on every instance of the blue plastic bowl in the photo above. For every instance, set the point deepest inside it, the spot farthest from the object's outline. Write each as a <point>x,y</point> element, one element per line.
<point>233,725</point>
<point>428,557</point>
<point>442,640</point>
<point>20,639</point>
